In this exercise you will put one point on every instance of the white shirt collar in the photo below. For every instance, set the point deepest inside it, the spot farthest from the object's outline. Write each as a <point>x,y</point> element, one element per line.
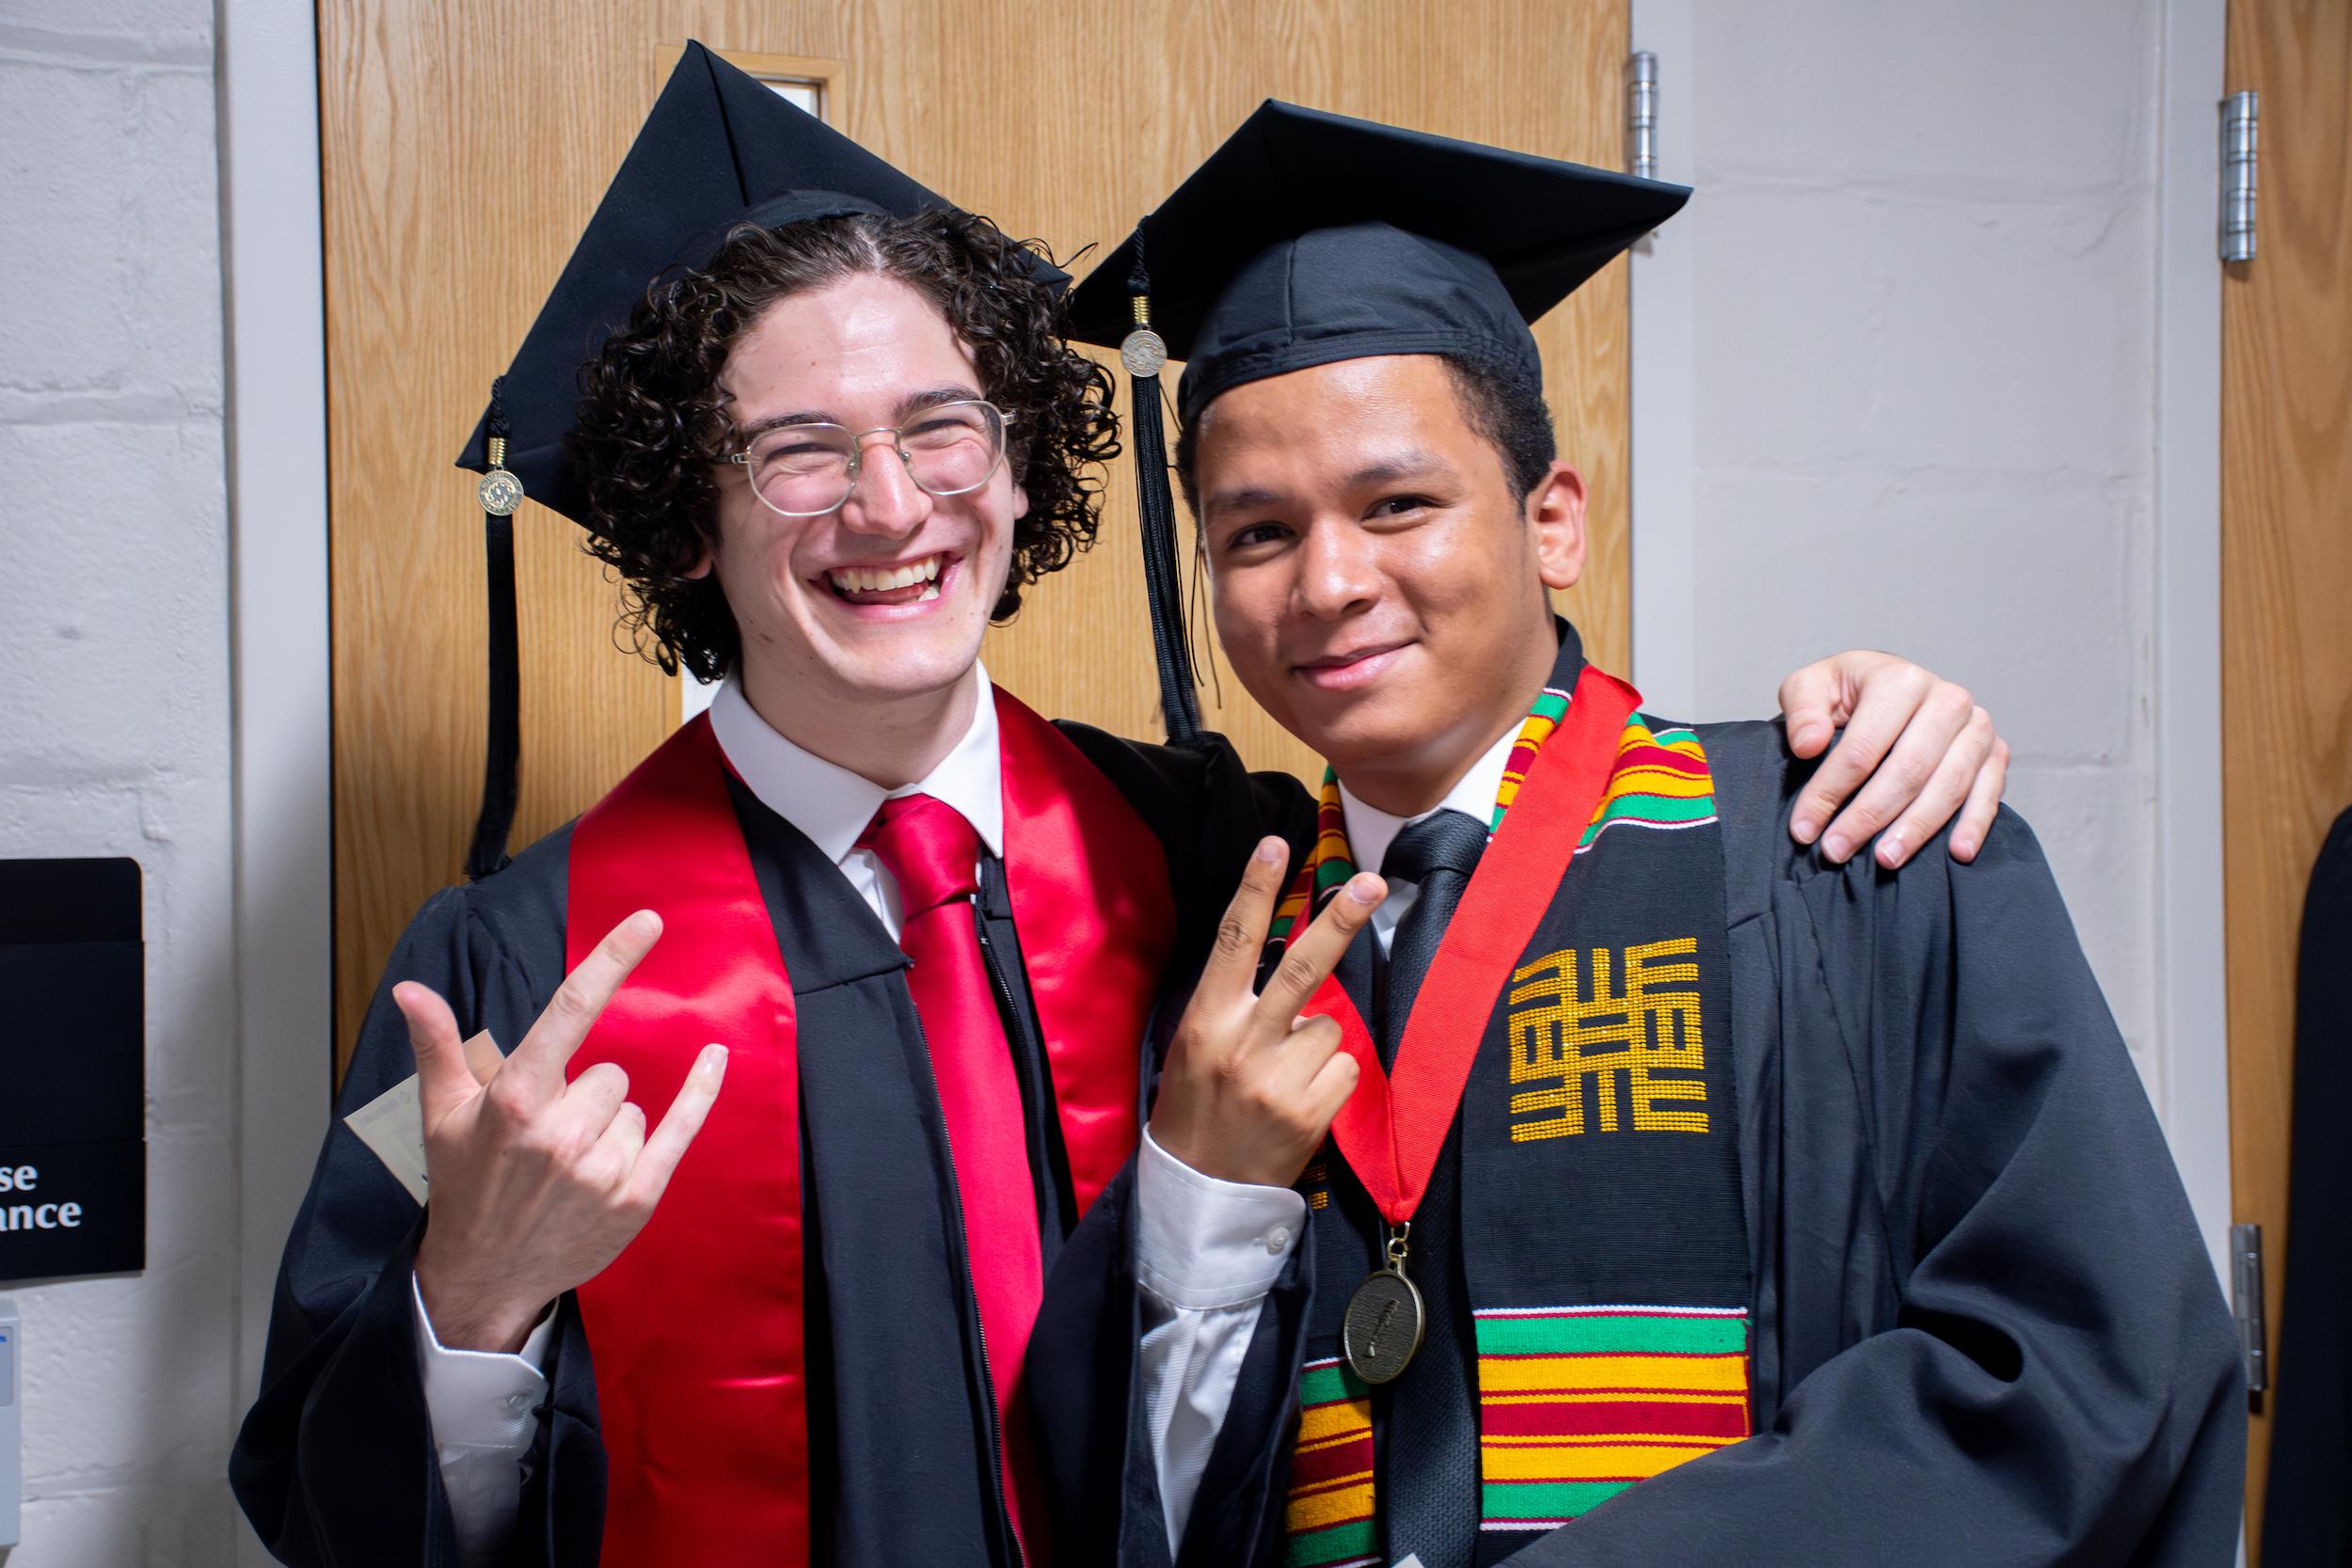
<point>1370,830</point>
<point>831,805</point>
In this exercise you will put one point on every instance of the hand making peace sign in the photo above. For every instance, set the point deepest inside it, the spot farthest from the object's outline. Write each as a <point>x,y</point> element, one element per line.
<point>1251,1087</point>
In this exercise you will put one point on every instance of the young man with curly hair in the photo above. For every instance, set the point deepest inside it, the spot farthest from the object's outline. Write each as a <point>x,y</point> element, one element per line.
<point>884,943</point>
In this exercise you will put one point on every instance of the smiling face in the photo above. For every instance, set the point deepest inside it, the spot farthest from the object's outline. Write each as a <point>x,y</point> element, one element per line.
<point>883,599</point>
<point>1378,582</point>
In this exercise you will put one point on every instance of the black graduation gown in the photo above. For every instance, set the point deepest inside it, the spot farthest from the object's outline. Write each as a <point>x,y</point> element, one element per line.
<point>2307,1522</point>
<point>336,1463</point>
<point>1984,1328</point>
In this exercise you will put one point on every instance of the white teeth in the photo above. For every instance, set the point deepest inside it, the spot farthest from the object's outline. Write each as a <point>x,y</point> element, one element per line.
<point>929,591</point>
<point>881,579</point>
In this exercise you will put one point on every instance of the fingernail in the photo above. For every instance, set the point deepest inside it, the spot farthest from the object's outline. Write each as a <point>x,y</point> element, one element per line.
<point>714,1055</point>
<point>1836,847</point>
<point>1805,737</point>
<point>1805,829</point>
<point>1270,851</point>
<point>1964,847</point>
<point>1890,851</point>
<point>1365,888</point>
<point>645,922</point>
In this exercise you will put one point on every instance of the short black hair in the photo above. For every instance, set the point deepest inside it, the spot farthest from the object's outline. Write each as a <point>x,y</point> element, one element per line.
<point>1506,406</point>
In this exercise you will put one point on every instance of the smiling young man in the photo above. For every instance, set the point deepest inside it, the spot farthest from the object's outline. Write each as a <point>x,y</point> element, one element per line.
<point>1687,1197</point>
<point>827,433</point>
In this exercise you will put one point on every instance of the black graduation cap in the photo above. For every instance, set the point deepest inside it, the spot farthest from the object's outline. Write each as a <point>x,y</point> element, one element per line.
<point>719,150</point>
<point>1309,238</point>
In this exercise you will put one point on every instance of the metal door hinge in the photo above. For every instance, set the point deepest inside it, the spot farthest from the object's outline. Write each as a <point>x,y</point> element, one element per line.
<point>1641,115</point>
<point>2246,1302</point>
<point>2240,115</point>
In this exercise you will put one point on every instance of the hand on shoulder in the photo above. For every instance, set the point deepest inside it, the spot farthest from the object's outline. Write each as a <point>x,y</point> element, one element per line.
<point>1917,752</point>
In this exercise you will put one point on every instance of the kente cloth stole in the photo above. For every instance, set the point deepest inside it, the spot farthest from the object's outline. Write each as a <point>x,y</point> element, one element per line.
<point>703,1412</point>
<point>1602,1234</point>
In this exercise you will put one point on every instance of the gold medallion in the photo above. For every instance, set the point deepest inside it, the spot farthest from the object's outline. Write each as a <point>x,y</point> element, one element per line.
<point>500,493</point>
<point>1143,351</point>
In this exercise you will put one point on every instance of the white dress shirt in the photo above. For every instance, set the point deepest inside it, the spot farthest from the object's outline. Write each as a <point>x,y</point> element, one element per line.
<point>1208,1251</point>
<point>1370,830</point>
<point>482,1406</point>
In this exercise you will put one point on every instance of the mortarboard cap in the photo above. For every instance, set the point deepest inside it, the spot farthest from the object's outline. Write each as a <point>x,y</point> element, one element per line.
<point>719,150</point>
<point>1309,238</point>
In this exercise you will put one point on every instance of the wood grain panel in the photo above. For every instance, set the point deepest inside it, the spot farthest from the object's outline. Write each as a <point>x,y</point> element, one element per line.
<point>2286,579</point>
<point>1532,75</point>
<point>465,143</point>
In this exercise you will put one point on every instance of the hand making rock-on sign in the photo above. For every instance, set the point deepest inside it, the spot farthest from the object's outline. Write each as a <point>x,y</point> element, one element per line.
<point>537,1185</point>
<point>1250,1086</point>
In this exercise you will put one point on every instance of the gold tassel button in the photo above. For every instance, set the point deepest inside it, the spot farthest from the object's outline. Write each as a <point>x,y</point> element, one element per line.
<point>500,492</point>
<point>1143,351</point>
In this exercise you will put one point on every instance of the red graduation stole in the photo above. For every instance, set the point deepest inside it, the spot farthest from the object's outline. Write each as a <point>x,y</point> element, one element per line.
<point>697,1327</point>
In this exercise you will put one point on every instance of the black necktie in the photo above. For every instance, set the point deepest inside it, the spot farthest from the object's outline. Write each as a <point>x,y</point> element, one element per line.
<point>1430,1478</point>
<point>1437,855</point>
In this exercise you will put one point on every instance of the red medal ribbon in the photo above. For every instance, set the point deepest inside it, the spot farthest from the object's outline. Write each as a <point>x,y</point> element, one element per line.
<point>1392,1129</point>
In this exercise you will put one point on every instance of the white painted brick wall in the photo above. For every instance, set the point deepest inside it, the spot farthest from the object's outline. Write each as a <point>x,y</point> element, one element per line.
<point>1926,322</point>
<point>116,693</point>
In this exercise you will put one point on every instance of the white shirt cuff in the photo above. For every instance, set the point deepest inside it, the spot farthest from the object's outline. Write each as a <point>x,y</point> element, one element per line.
<point>482,1398</point>
<point>1203,1243</point>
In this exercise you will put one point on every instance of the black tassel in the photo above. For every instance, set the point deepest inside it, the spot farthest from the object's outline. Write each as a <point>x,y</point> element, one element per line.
<point>1144,354</point>
<point>500,493</point>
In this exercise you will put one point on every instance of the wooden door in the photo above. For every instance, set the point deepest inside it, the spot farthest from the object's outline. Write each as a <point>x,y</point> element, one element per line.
<point>465,143</point>
<point>2286,579</point>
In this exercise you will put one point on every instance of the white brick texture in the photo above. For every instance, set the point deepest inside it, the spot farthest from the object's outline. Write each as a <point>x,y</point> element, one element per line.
<point>1926,315</point>
<point>116,690</point>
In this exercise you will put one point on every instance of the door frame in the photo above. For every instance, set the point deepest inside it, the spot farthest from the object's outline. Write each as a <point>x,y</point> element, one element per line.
<point>1662,407</point>
<point>274,303</point>
<point>2191,1077</point>
<point>2192,1008</point>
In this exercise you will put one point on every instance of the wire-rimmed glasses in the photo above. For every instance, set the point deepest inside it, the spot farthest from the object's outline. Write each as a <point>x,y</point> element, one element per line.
<point>806,470</point>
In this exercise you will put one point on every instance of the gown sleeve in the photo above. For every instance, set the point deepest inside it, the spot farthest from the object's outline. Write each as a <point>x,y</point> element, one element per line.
<point>1093,1429</point>
<point>1084,1376</point>
<point>336,1463</point>
<point>2058,1379</point>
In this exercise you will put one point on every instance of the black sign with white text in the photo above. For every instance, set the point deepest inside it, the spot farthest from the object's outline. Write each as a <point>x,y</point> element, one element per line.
<point>72,1068</point>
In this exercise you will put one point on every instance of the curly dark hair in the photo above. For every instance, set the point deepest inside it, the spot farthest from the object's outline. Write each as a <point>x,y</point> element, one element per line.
<point>653,423</point>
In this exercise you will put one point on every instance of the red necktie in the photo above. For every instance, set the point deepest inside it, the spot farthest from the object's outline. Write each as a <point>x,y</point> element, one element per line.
<point>934,854</point>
